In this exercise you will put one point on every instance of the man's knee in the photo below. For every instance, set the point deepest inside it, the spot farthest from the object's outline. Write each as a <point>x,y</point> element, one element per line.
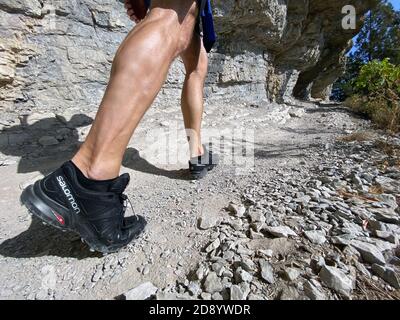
<point>169,26</point>
<point>201,68</point>
<point>187,28</point>
<point>195,60</point>
<point>178,20</point>
<point>184,41</point>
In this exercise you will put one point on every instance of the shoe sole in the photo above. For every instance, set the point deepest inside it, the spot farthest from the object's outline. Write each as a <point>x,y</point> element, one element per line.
<point>46,214</point>
<point>201,174</point>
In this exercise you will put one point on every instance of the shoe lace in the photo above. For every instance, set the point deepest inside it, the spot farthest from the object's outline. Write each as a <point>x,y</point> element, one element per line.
<point>125,201</point>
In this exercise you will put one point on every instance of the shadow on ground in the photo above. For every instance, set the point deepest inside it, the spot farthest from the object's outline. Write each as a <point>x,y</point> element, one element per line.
<point>40,240</point>
<point>23,141</point>
<point>134,161</point>
<point>291,151</point>
<point>43,145</point>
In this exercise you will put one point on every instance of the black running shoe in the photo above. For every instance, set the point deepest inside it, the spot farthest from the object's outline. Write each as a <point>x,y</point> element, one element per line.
<point>199,166</point>
<point>98,217</point>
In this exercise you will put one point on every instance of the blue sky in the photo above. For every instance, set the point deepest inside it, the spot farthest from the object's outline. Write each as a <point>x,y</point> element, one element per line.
<point>396,3</point>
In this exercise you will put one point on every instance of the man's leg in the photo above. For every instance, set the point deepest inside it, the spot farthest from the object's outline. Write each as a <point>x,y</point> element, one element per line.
<point>196,64</point>
<point>86,195</point>
<point>195,60</point>
<point>139,70</point>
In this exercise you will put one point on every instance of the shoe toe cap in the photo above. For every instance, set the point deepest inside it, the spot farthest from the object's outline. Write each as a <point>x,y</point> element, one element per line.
<point>133,226</point>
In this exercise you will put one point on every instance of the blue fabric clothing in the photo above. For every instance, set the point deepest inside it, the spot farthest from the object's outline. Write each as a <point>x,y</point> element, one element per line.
<point>207,21</point>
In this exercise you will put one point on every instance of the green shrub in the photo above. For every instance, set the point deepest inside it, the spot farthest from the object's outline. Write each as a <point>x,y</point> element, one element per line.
<point>376,93</point>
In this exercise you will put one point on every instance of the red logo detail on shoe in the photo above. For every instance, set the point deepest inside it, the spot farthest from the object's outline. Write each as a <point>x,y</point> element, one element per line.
<point>59,218</point>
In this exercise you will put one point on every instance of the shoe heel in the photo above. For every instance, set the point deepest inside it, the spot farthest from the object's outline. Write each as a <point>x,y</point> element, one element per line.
<point>40,209</point>
<point>199,174</point>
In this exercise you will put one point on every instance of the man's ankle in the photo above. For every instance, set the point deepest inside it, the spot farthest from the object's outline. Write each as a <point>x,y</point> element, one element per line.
<point>89,183</point>
<point>81,165</point>
<point>197,152</point>
<point>100,173</point>
<point>92,171</point>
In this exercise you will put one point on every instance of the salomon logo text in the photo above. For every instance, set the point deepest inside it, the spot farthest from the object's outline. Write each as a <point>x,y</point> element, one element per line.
<point>68,194</point>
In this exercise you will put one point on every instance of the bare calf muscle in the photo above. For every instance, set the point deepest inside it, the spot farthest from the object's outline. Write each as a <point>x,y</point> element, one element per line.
<point>134,85</point>
<point>86,195</point>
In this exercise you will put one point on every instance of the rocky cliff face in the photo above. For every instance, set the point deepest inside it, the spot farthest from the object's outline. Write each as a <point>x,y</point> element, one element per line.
<point>303,40</point>
<point>56,54</point>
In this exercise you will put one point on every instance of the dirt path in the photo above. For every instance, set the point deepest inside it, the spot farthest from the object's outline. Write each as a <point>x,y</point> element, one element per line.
<point>37,262</point>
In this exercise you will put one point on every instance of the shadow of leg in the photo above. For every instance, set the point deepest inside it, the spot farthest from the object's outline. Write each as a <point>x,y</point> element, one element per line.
<point>44,144</point>
<point>133,160</point>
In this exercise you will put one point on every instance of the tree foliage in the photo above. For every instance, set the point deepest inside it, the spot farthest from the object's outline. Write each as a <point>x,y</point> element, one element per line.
<point>379,39</point>
<point>376,93</point>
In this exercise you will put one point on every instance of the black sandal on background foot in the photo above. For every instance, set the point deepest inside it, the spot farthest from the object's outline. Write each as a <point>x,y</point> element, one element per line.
<point>199,166</point>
